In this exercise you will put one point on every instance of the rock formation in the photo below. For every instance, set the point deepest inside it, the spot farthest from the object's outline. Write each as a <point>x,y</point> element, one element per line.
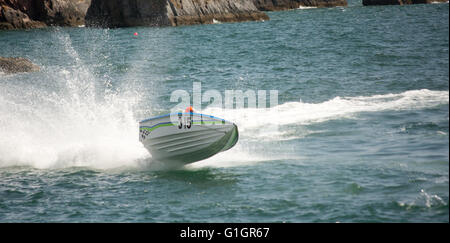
<point>16,65</point>
<point>277,5</point>
<point>19,14</point>
<point>398,2</point>
<point>121,13</point>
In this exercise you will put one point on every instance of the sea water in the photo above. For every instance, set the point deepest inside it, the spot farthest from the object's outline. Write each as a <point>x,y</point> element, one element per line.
<point>362,120</point>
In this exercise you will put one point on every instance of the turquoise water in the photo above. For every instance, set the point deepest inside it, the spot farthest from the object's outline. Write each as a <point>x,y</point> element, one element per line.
<point>361,127</point>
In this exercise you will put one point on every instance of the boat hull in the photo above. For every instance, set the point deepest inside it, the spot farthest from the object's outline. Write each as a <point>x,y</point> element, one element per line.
<point>187,137</point>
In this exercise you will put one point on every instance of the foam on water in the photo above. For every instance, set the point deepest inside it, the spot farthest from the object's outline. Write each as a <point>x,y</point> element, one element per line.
<point>237,156</point>
<point>269,125</point>
<point>305,7</point>
<point>265,123</point>
<point>424,199</point>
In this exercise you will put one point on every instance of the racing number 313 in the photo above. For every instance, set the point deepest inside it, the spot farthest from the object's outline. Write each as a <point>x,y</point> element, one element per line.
<point>186,124</point>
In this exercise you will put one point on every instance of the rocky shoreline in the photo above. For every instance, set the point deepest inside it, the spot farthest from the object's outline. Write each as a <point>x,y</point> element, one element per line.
<point>27,14</point>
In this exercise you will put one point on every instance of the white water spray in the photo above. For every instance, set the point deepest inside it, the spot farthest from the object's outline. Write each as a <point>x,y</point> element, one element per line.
<point>71,124</point>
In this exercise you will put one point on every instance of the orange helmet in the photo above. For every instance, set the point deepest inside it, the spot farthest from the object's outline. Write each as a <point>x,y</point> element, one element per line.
<point>189,109</point>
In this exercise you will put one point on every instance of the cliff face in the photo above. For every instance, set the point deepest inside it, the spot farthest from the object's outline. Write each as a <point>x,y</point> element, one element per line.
<point>17,14</point>
<point>398,2</point>
<point>121,13</point>
<point>277,5</point>
<point>183,12</point>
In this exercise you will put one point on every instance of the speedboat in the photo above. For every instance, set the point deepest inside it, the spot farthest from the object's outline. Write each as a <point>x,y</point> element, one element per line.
<point>186,137</point>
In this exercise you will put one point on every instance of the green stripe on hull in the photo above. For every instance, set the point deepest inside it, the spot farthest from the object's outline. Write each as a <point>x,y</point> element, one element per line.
<point>153,128</point>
